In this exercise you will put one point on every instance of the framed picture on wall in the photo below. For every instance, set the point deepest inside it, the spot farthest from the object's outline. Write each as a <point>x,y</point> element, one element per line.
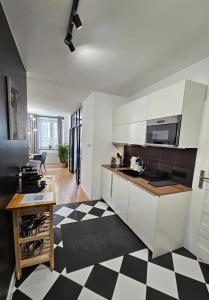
<point>16,126</point>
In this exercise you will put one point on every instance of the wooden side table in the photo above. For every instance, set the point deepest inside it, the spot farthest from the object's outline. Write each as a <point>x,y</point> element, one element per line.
<point>46,231</point>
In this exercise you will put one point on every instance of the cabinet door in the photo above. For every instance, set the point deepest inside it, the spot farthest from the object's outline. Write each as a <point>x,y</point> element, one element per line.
<point>106,185</point>
<point>120,115</point>
<point>137,133</point>
<point>137,110</point>
<point>142,214</point>
<point>120,134</point>
<point>120,195</point>
<point>166,102</point>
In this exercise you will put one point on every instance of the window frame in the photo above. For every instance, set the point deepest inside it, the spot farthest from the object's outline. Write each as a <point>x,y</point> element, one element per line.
<point>51,120</point>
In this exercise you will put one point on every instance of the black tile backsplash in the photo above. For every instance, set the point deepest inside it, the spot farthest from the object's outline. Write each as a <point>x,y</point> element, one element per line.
<point>178,163</point>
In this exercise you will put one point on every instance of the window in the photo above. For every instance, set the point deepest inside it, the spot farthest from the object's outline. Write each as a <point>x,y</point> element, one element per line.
<point>48,133</point>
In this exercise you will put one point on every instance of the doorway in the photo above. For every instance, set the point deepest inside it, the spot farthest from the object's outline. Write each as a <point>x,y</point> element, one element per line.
<point>75,144</point>
<point>197,237</point>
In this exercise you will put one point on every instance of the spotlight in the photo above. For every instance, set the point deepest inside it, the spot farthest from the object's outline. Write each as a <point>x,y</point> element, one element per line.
<point>71,47</point>
<point>77,21</point>
<point>74,20</point>
<point>68,38</point>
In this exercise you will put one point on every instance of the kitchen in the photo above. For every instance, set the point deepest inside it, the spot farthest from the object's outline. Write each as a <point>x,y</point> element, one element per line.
<point>155,202</point>
<point>141,229</point>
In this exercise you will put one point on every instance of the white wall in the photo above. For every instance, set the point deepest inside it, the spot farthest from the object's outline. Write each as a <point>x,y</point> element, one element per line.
<point>97,147</point>
<point>67,124</point>
<point>197,72</point>
<point>87,140</point>
<point>103,148</point>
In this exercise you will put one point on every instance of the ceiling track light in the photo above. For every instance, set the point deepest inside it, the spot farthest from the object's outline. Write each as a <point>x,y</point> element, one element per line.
<point>71,47</point>
<point>77,21</point>
<point>68,38</point>
<point>74,20</point>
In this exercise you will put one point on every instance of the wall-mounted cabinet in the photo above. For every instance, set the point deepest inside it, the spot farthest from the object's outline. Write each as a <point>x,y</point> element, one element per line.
<point>137,110</point>
<point>133,133</point>
<point>129,122</point>
<point>120,134</point>
<point>137,133</point>
<point>185,98</point>
<point>120,115</point>
<point>166,102</point>
<point>131,112</point>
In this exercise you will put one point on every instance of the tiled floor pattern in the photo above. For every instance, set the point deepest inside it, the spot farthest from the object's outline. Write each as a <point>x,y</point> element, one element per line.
<point>177,275</point>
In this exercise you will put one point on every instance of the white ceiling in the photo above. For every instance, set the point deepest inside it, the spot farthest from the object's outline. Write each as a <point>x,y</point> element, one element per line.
<point>124,46</point>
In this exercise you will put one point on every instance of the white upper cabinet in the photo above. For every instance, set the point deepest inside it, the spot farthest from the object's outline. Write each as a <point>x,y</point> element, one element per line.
<point>129,122</point>
<point>185,98</point>
<point>134,133</point>
<point>131,112</point>
<point>137,110</point>
<point>137,133</point>
<point>166,102</point>
<point>120,115</point>
<point>120,134</point>
<point>192,112</point>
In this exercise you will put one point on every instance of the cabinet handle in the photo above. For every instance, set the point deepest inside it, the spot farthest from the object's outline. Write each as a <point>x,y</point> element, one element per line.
<point>111,185</point>
<point>202,178</point>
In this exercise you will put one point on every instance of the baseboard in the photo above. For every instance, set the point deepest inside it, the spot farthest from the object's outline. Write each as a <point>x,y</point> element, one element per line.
<point>11,287</point>
<point>91,198</point>
<point>95,198</point>
<point>85,192</point>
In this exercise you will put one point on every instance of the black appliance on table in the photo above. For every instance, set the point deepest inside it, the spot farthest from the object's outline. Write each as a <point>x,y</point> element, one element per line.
<point>29,180</point>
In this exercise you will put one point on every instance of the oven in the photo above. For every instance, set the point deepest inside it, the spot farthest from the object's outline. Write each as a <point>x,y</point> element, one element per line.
<point>164,131</point>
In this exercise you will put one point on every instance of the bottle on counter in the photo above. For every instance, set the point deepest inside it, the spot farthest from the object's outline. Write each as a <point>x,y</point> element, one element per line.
<point>113,162</point>
<point>119,160</point>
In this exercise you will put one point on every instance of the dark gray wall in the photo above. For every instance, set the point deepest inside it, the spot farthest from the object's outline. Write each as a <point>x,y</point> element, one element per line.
<point>12,153</point>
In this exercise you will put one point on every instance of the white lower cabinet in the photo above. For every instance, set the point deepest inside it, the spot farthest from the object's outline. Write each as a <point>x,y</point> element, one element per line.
<point>106,185</point>
<point>120,195</point>
<point>142,214</point>
<point>159,221</point>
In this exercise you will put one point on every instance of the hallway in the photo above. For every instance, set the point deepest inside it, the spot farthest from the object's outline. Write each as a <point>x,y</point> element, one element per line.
<point>66,188</point>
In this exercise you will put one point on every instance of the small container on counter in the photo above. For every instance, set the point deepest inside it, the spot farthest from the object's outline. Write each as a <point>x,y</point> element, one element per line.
<point>113,162</point>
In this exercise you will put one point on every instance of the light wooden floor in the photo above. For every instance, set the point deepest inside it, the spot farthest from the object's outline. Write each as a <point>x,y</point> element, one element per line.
<point>66,188</point>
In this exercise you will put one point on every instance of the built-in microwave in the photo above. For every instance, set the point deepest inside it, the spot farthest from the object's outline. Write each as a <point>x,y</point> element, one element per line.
<point>164,131</point>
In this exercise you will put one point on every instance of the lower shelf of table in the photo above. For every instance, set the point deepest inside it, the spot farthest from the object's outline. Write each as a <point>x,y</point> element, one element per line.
<point>34,260</point>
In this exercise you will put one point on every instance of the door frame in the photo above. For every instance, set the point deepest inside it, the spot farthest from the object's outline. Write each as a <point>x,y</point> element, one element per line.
<point>75,141</point>
<point>198,195</point>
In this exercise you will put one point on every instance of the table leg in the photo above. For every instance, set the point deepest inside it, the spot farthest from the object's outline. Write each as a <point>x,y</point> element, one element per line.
<point>15,217</point>
<point>51,238</point>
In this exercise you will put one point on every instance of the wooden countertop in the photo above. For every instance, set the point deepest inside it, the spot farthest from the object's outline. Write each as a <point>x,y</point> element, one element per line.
<point>159,191</point>
<point>15,202</point>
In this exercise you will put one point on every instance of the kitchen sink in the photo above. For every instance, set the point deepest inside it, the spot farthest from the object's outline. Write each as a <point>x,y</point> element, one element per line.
<point>131,173</point>
<point>148,175</point>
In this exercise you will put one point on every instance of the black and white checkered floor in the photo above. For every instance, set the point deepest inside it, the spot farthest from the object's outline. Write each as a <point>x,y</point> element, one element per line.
<point>177,275</point>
